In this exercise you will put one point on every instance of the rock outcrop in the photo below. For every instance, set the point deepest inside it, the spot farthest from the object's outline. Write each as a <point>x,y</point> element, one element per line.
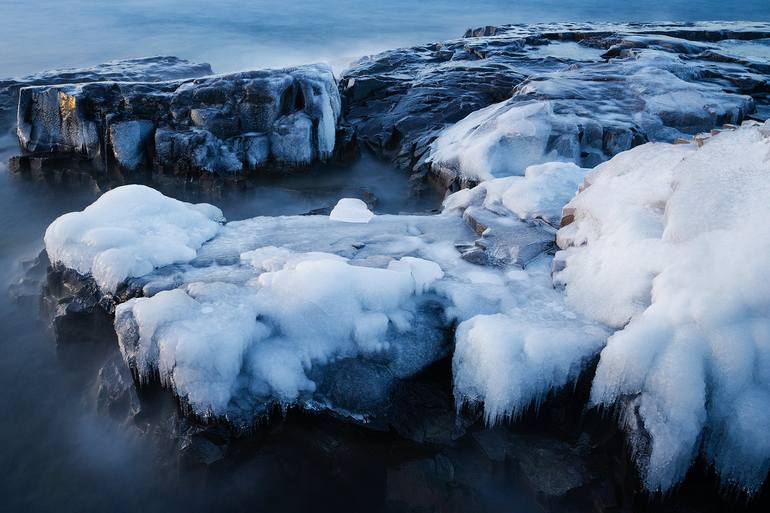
<point>218,124</point>
<point>147,69</point>
<point>573,92</point>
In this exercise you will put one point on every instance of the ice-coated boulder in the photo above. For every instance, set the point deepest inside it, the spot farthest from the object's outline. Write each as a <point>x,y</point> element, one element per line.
<point>217,124</point>
<point>326,312</point>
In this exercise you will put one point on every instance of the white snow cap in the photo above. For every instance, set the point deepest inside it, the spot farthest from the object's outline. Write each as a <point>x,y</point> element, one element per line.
<point>128,232</point>
<point>671,244</point>
<point>351,210</point>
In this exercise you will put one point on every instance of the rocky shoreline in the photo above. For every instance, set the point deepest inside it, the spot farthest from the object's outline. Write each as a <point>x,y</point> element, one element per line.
<point>462,113</point>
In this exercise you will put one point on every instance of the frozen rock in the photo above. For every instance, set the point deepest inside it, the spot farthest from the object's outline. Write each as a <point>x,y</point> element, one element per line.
<point>223,324</point>
<point>658,81</point>
<point>585,115</point>
<point>669,245</point>
<point>218,124</point>
<point>130,231</point>
<point>129,142</point>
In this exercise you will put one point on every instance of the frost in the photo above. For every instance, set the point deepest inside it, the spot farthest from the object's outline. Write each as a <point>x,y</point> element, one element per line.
<point>128,232</point>
<point>670,244</point>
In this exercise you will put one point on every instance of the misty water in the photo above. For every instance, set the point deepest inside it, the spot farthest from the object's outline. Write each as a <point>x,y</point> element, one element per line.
<point>56,452</point>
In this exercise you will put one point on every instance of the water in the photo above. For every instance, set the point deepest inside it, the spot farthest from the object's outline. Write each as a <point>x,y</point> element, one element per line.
<point>240,34</point>
<point>56,453</point>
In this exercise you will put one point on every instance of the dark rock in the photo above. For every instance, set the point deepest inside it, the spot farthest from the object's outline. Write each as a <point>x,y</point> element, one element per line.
<point>219,124</point>
<point>115,392</point>
<point>148,69</point>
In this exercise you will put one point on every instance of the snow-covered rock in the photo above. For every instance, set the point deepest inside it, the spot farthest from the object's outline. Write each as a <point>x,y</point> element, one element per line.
<point>216,124</point>
<point>670,244</point>
<point>128,232</point>
<point>585,115</point>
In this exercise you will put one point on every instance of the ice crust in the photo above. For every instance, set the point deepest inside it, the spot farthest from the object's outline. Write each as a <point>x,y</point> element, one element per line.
<point>586,115</point>
<point>670,245</point>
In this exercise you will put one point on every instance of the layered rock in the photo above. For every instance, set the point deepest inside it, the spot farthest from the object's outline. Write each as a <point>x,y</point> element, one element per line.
<point>219,124</point>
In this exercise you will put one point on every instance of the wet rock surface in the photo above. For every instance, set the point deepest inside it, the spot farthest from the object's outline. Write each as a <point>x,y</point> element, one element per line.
<point>603,89</point>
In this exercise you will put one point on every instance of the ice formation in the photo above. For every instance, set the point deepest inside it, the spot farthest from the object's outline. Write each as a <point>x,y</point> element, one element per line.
<point>212,341</point>
<point>128,232</point>
<point>539,194</point>
<point>670,244</point>
<point>351,210</point>
<point>585,115</point>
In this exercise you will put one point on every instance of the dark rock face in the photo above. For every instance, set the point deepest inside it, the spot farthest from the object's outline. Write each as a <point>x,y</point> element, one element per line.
<point>148,69</point>
<point>604,89</point>
<point>219,124</point>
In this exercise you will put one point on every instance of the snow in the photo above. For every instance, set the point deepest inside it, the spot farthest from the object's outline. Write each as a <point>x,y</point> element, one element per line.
<point>351,210</point>
<point>670,244</point>
<point>129,231</point>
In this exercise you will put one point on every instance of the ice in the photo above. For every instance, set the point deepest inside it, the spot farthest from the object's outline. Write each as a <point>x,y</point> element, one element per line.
<point>539,194</point>
<point>534,346</point>
<point>351,210</point>
<point>499,140</point>
<point>585,115</point>
<point>260,340</point>
<point>128,232</point>
<point>670,244</point>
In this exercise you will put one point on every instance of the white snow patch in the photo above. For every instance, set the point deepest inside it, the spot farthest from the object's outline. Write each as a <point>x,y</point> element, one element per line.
<point>128,232</point>
<point>351,210</point>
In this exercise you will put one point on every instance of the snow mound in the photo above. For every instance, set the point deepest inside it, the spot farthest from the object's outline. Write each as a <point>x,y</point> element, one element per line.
<point>670,243</point>
<point>351,210</point>
<point>129,231</point>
